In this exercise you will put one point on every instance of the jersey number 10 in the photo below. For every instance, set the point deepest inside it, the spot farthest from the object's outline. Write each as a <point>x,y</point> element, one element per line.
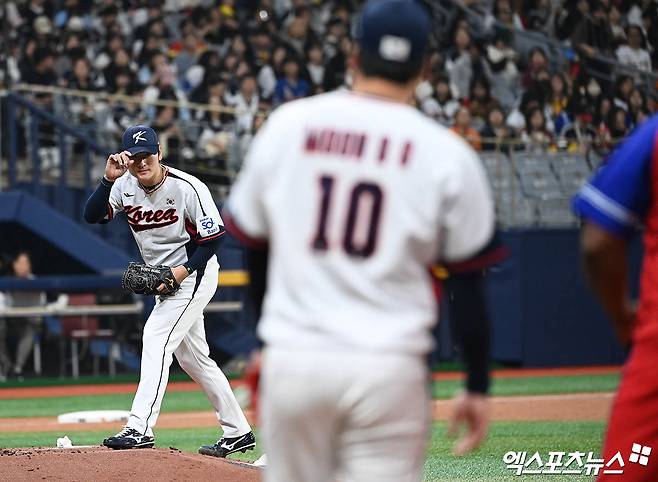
<point>360,192</point>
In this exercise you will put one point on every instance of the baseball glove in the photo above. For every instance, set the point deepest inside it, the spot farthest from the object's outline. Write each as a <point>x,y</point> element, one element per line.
<point>143,279</point>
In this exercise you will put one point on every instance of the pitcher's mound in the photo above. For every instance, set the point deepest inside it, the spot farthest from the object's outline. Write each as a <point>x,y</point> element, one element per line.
<point>102,464</point>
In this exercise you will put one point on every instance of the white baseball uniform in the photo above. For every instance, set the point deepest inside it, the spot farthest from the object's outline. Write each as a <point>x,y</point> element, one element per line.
<point>167,223</point>
<point>357,196</point>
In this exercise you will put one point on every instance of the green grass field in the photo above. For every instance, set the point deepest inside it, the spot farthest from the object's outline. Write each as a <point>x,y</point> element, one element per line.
<point>484,465</point>
<point>192,401</point>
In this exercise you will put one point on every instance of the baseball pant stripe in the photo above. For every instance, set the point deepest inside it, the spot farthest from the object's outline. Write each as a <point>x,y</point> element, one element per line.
<point>164,353</point>
<point>164,350</point>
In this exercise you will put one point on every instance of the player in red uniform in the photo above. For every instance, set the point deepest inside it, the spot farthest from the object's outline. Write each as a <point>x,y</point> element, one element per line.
<point>622,197</point>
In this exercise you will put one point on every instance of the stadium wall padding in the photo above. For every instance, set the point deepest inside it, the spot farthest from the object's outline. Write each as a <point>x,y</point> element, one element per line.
<point>543,313</point>
<point>61,232</point>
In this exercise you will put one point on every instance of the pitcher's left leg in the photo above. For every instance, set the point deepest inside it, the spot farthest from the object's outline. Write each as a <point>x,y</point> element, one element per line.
<point>193,355</point>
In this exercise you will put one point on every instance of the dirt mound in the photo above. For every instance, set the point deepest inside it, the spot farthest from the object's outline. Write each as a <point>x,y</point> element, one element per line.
<point>102,464</point>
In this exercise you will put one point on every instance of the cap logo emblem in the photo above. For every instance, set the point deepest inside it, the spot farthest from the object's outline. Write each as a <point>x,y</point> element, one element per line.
<point>138,136</point>
<point>397,49</point>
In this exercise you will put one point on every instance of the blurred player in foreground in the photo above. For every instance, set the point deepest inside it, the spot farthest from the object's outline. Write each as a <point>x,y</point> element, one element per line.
<point>346,199</point>
<point>622,197</point>
<point>175,223</point>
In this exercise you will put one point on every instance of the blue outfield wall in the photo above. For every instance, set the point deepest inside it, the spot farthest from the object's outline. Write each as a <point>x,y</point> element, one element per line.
<point>543,313</point>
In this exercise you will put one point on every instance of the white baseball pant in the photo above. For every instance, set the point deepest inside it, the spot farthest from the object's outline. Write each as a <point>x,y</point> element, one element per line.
<point>344,416</point>
<point>176,327</point>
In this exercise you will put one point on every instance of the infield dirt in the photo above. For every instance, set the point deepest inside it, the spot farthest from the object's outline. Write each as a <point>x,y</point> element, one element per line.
<point>102,464</point>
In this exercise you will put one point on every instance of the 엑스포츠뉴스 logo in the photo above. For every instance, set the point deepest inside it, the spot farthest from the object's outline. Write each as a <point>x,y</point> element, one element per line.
<point>139,136</point>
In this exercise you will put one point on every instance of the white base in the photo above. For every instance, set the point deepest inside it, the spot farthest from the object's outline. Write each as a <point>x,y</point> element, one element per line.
<point>94,416</point>
<point>262,461</point>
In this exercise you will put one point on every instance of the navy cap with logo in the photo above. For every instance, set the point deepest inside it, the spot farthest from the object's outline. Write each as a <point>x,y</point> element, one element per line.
<point>394,31</point>
<point>138,139</point>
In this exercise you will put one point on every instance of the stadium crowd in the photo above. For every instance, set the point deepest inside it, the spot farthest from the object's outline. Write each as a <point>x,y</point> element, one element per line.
<point>246,56</point>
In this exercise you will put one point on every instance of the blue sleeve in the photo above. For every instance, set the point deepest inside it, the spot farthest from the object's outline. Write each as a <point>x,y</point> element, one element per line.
<point>97,207</point>
<point>618,195</point>
<point>203,253</point>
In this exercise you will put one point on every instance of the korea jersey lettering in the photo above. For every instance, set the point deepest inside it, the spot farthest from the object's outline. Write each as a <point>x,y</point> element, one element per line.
<point>167,222</point>
<point>356,196</point>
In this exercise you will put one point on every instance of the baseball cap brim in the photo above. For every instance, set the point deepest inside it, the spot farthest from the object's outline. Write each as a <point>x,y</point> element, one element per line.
<point>151,149</point>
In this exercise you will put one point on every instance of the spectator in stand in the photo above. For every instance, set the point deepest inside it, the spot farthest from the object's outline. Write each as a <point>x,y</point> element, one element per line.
<point>169,133</point>
<point>27,327</point>
<point>109,51</point>
<point>536,136</point>
<point>537,63</point>
<point>131,44</point>
<point>496,136</point>
<point>504,13</point>
<point>261,44</point>
<point>480,102</point>
<point>32,9</point>
<point>637,105</point>
<point>246,103</point>
<point>617,124</point>
<point>623,91</point>
<point>568,17</point>
<point>335,75</point>
<point>210,63</point>
<point>297,29</point>
<point>216,126</point>
<point>73,49</point>
<point>462,127</point>
<point>536,15</point>
<point>441,106</point>
<point>633,52</point>
<point>40,71</point>
<point>459,66</point>
<point>501,59</point>
<point>120,61</point>
<point>537,93</point>
<point>80,78</point>
<point>555,109</point>
<point>271,71</point>
<point>592,36</point>
<point>617,29</point>
<point>291,86</point>
<point>315,67</point>
<point>187,57</point>
<point>603,141</point>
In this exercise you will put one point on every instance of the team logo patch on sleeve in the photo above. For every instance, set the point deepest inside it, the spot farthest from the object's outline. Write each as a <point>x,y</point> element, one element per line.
<point>207,226</point>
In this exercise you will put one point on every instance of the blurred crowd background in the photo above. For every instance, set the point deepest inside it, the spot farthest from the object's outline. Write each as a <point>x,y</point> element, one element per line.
<point>544,89</point>
<point>584,77</point>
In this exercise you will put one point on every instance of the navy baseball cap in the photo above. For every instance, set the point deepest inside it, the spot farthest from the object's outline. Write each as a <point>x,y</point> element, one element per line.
<point>138,139</point>
<point>395,31</point>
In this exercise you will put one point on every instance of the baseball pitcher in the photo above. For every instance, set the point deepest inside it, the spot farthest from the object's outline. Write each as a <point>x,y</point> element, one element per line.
<point>372,193</point>
<point>177,227</point>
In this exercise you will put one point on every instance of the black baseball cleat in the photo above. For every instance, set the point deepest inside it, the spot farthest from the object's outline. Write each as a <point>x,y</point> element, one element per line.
<point>129,438</point>
<point>225,446</point>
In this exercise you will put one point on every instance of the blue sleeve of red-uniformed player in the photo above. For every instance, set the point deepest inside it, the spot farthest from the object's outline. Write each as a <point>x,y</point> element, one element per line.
<point>617,197</point>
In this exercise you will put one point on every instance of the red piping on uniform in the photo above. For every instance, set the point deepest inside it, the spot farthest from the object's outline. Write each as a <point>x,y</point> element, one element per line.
<point>479,262</point>
<point>240,235</point>
<point>190,228</point>
<point>203,240</point>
